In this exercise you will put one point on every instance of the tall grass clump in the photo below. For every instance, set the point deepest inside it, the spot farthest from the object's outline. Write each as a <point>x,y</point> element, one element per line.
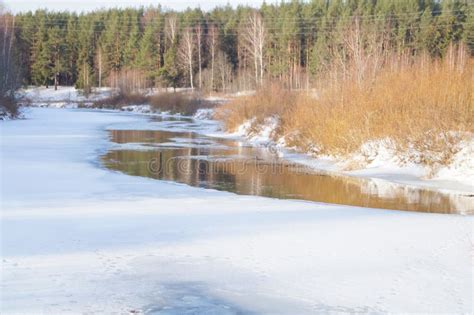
<point>424,108</point>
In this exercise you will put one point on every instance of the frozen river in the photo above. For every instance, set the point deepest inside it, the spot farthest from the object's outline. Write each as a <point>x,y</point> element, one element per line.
<point>80,238</point>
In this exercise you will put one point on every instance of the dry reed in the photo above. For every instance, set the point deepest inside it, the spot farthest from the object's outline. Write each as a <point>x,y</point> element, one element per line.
<point>425,107</point>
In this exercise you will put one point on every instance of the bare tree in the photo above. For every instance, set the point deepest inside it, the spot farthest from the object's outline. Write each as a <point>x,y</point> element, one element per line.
<point>253,37</point>
<point>186,52</point>
<point>171,28</point>
<point>364,50</point>
<point>224,70</point>
<point>198,30</point>
<point>85,78</point>
<point>99,65</point>
<point>212,43</point>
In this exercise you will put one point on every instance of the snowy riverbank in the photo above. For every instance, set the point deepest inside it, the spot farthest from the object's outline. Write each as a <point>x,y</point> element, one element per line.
<point>376,160</point>
<point>79,238</point>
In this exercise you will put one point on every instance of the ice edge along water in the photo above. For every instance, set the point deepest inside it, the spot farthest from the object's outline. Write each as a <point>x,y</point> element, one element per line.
<point>376,159</point>
<point>79,238</point>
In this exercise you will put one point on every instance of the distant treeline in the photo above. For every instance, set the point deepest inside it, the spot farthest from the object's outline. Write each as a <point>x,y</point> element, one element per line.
<point>231,48</point>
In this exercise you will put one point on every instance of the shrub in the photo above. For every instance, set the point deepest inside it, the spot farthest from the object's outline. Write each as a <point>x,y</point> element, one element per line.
<point>176,102</point>
<point>9,106</point>
<point>179,102</point>
<point>121,99</point>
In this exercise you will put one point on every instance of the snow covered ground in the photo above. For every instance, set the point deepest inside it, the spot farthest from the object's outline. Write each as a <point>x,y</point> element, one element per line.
<point>77,238</point>
<point>63,97</point>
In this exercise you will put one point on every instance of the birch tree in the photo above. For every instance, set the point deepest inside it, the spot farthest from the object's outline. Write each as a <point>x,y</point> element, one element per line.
<point>212,44</point>
<point>198,30</point>
<point>186,53</point>
<point>99,65</point>
<point>57,47</point>
<point>253,37</point>
<point>171,29</point>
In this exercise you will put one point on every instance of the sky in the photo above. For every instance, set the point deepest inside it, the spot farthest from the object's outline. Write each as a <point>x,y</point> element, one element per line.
<point>88,5</point>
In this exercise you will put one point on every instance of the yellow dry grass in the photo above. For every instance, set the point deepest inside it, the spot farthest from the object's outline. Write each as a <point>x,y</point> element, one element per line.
<point>269,101</point>
<point>428,107</point>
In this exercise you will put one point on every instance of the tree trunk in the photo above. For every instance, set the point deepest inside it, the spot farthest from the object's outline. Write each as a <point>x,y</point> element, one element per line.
<point>212,68</point>
<point>256,66</point>
<point>213,53</point>
<point>100,67</point>
<point>191,75</point>
<point>254,40</point>
<point>199,35</point>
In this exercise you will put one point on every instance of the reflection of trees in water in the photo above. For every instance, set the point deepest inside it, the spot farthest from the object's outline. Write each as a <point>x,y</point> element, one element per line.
<point>243,171</point>
<point>127,136</point>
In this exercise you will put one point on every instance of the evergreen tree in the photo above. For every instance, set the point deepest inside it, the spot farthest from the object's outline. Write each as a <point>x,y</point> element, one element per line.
<point>469,32</point>
<point>58,49</point>
<point>170,73</point>
<point>70,53</point>
<point>131,36</point>
<point>111,42</point>
<point>85,54</point>
<point>149,57</point>
<point>25,40</point>
<point>428,36</point>
<point>41,53</point>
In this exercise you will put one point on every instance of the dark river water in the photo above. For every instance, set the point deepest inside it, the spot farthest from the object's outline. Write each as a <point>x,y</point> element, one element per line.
<point>175,154</point>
